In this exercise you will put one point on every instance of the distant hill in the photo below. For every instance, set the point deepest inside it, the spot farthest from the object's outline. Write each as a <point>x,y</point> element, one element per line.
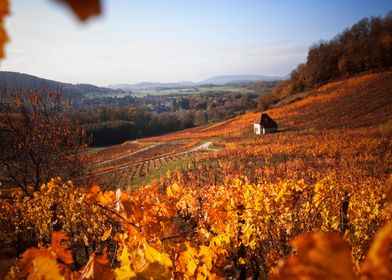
<point>150,85</point>
<point>15,80</point>
<point>217,80</point>
<point>229,79</point>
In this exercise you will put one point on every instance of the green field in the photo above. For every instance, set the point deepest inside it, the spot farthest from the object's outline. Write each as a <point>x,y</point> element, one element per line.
<point>192,90</point>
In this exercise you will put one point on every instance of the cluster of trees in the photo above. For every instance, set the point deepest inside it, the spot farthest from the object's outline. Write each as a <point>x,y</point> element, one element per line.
<point>366,46</point>
<point>38,140</point>
<point>116,124</point>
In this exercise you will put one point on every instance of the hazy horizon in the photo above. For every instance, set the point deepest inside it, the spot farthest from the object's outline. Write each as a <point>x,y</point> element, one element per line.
<point>180,40</point>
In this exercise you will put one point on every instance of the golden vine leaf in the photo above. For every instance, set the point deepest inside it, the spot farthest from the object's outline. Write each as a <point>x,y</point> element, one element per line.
<point>320,256</point>
<point>187,261</point>
<point>149,263</point>
<point>173,191</point>
<point>124,271</point>
<point>39,264</point>
<point>44,268</point>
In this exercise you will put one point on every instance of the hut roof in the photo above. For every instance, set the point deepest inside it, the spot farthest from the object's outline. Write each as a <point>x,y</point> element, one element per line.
<point>266,121</point>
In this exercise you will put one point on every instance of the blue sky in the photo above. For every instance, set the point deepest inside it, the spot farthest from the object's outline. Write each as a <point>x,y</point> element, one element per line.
<point>173,40</point>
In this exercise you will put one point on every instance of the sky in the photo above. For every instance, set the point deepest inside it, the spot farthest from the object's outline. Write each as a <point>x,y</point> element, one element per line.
<point>173,40</point>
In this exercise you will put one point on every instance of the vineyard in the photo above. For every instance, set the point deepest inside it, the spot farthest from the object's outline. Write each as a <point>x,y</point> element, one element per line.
<point>130,164</point>
<point>312,201</point>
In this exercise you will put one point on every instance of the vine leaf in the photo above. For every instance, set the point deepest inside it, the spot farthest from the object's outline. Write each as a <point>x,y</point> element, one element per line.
<point>319,256</point>
<point>378,262</point>
<point>97,268</point>
<point>39,264</point>
<point>62,251</point>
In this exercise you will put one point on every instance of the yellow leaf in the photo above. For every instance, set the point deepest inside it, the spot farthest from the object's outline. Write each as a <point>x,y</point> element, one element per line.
<point>153,255</point>
<point>44,268</point>
<point>187,261</point>
<point>85,240</point>
<point>208,256</point>
<point>220,240</point>
<point>124,272</point>
<point>173,191</point>
<point>149,263</point>
<point>39,264</point>
<point>106,234</point>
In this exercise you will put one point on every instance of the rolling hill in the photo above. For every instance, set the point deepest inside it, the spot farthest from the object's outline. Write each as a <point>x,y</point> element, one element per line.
<point>15,80</point>
<point>362,101</point>
<point>216,80</point>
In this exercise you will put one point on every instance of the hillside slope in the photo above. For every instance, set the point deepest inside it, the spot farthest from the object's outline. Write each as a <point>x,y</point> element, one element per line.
<point>361,101</point>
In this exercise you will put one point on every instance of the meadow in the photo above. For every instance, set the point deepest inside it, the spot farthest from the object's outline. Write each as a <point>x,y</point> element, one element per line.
<point>235,88</point>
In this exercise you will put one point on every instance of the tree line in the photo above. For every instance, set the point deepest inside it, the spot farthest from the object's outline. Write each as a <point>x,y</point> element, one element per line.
<point>364,47</point>
<point>111,125</point>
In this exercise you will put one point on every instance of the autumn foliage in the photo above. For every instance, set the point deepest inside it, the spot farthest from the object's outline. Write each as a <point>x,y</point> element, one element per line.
<point>37,139</point>
<point>237,229</point>
<point>311,202</point>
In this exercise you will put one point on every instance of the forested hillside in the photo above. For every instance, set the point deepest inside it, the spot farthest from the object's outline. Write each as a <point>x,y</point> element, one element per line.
<point>364,47</point>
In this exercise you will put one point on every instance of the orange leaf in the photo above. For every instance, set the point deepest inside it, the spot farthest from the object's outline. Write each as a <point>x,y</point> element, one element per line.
<point>320,256</point>
<point>84,9</point>
<point>378,262</point>
<point>61,250</point>
<point>97,267</point>
<point>4,11</point>
<point>106,234</point>
<point>26,259</point>
<point>44,268</point>
<point>95,189</point>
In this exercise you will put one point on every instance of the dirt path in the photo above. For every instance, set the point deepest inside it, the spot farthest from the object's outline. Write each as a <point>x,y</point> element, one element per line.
<point>203,147</point>
<point>128,155</point>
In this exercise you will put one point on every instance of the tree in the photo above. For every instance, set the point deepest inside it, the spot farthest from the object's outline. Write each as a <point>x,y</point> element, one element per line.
<point>37,139</point>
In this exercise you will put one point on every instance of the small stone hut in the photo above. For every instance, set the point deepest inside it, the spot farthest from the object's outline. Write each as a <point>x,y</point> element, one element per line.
<point>264,124</point>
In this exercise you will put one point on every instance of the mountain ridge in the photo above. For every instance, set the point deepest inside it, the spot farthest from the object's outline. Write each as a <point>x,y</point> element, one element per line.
<point>215,80</point>
<point>14,80</point>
